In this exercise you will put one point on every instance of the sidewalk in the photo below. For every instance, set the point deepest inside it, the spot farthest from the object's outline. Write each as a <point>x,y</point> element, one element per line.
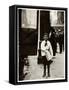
<point>35,71</point>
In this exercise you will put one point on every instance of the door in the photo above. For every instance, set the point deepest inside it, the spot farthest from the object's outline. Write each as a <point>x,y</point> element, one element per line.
<point>44,23</point>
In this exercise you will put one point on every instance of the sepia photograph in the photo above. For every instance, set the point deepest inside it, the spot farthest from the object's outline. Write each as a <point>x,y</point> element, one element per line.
<point>41,44</point>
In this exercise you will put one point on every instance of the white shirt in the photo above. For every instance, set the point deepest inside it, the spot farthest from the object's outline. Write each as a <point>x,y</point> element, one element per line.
<point>46,50</point>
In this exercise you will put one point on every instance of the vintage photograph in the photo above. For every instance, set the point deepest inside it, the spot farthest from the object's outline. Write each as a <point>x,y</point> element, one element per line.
<point>40,44</point>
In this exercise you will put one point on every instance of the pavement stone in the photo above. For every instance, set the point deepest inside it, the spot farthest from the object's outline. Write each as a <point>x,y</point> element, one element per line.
<point>35,71</point>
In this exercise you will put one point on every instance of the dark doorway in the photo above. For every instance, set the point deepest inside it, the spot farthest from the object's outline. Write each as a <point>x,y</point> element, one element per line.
<point>44,23</point>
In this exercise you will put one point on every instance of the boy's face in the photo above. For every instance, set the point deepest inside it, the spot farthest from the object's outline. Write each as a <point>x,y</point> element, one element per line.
<point>45,37</point>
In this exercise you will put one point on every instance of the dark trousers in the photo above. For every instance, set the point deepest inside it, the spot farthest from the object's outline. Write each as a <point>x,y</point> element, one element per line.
<point>46,63</point>
<point>54,51</point>
<point>48,67</point>
<point>60,46</point>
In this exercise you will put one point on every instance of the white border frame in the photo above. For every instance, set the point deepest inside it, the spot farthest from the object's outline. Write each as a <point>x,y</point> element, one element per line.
<point>38,43</point>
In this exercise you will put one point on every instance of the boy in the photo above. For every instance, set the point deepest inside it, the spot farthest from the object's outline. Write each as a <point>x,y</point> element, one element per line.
<point>47,53</point>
